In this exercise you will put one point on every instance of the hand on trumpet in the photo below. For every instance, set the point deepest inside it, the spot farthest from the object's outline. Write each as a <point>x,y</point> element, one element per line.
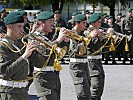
<point>63,35</point>
<point>94,33</point>
<point>29,49</point>
<point>111,30</point>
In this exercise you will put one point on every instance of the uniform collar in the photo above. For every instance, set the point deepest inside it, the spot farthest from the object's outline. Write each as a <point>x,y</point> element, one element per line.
<point>9,39</point>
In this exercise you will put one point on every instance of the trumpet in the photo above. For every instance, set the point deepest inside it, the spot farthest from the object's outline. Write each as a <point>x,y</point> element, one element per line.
<point>72,35</point>
<point>123,35</point>
<point>114,40</point>
<point>128,38</point>
<point>60,51</point>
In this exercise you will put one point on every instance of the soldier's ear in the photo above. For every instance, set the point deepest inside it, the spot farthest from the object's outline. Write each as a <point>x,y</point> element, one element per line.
<point>76,23</point>
<point>9,26</point>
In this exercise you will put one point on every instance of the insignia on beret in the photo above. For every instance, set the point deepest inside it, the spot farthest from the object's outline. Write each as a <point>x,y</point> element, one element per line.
<point>1,58</point>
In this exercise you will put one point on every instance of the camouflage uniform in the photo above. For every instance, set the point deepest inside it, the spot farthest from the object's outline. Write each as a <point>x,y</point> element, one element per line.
<point>14,68</point>
<point>95,66</point>
<point>127,28</point>
<point>47,83</point>
<point>94,57</point>
<point>79,69</point>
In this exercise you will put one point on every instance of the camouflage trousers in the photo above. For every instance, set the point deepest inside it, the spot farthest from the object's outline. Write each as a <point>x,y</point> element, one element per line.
<point>48,85</point>
<point>14,96</point>
<point>81,80</point>
<point>97,78</point>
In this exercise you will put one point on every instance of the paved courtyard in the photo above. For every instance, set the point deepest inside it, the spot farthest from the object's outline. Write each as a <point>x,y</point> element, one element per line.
<point>118,83</point>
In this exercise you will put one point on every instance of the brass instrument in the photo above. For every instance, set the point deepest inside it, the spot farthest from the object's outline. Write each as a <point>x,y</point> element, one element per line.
<point>114,40</point>
<point>72,35</point>
<point>60,51</point>
<point>128,38</point>
<point>85,40</point>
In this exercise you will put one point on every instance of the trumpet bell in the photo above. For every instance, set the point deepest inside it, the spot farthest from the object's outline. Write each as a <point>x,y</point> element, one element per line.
<point>61,52</point>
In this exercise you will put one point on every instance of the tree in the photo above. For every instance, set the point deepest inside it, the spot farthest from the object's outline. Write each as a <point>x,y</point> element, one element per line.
<point>111,5</point>
<point>56,4</point>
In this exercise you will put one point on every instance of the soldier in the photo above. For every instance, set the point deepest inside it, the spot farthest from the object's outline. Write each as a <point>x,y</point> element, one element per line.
<point>78,61</point>
<point>119,49</point>
<point>127,28</point>
<point>114,27</point>
<point>104,24</point>
<point>95,58</point>
<point>14,63</point>
<point>47,83</point>
<point>118,20</point>
<point>87,14</point>
<point>70,22</point>
<point>59,22</point>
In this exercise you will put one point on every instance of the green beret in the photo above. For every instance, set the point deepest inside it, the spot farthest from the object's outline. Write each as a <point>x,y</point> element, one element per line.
<point>93,18</point>
<point>22,12</point>
<point>109,17</point>
<point>45,15</point>
<point>79,18</point>
<point>57,11</point>
<point>13,17</point>
<point>129,10</point>
<point>76,13</point>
